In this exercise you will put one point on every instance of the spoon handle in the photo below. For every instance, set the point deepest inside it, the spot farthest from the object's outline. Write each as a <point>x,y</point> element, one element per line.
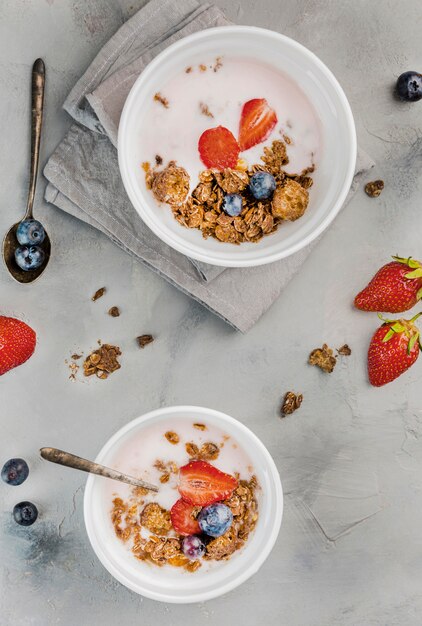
<point>38,82</point>
<point>70,460</point>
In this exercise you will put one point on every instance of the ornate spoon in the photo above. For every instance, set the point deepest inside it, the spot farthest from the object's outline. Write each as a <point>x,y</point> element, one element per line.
<point>70,460</point>
<point>33,257</point>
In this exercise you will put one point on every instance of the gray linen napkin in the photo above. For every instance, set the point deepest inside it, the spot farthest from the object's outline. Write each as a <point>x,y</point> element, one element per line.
<point>84,178</point>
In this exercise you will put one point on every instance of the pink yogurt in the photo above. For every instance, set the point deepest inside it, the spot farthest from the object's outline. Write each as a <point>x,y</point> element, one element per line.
<point>173,132</point>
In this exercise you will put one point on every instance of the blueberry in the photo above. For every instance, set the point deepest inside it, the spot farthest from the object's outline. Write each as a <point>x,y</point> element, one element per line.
<point>215,519</point>
<point>29,257</point>
<point>232,204</point>
<point>193,547</point>
<point>409,86</point>
<point>25,513</point>
<point>15,472</point>
<point>30,233</point>
<point>262,185</point>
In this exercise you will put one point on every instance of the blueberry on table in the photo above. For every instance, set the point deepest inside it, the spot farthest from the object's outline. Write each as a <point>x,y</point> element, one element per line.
<point>215,519</point>
<point>409,86</point>
<point>30,233</point>
<point>15,472</point>
<point>233,204</point>
<point>262,185</point>
<point>25,513</point>
<point>193,547</point>
<point>29,257</point>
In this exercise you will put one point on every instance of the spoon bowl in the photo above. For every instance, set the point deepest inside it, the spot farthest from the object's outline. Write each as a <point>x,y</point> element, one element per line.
<point>10,242</point>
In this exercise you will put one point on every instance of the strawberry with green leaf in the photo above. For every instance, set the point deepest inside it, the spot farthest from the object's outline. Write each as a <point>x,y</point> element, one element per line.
<point>396,287</point>
<point>394,347</point>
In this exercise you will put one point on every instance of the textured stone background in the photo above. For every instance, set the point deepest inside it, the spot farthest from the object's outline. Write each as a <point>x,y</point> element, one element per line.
<point>350,548</point>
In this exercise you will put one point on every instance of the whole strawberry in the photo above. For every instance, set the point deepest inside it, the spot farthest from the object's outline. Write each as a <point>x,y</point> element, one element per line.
<point>396,287</point>
<point>393,349</point>
<point>17,343</point>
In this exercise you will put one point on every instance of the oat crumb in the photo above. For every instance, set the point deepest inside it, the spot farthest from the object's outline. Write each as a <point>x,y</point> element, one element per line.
<point>218,63</point>
<point>76,357</point>
<point>205,110</point>
<point>144,340</point>
<point>162,100</point>
<point>344,350</point>
<point>114,311</point>
<point>291,403</point>
<point>374,188</point>
<point>203,67</point>
<point>98,294</point>
<point>172,437</point>
<point>158,159</point>
<point>200,426</point>
<point>188,70</point>
<point>323,358</point>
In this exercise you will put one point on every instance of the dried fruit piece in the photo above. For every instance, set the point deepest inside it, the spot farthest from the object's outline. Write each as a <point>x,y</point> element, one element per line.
<point>144,340</point>
<point>183,518</point>
<point>323,358</point>
<point>290,201</point>
<point>257,120</point>
<point>374,188</point>
<point>98,294</point>
<point>201,483</point>
<point>114,311</point>
<point>291,403</point>
<point>172,437</point>
<point>218,148</point>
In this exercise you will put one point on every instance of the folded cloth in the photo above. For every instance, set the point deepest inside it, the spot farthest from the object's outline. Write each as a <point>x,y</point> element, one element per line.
<point>84,177</point>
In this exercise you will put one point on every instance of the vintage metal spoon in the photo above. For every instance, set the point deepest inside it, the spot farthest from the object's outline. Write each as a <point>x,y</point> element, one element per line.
<point>70,460</point>
<point>10,242</point>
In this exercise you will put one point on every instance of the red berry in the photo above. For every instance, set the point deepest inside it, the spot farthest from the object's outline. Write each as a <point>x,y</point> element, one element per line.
<point>218,148</point>
<point>396,287</point>
<point>257,120</point>
<point>201,483</point>
<point>393,349</point>
<point>182,518</point>
<point>17,343</point>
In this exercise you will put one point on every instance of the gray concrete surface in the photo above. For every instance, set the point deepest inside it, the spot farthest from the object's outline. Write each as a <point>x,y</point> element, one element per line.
<point>350,548</point>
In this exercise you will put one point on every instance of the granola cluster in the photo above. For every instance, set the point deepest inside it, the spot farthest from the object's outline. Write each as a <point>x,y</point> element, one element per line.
<point>203,209</point>
<point>103,361</point>
<point>162,545</point>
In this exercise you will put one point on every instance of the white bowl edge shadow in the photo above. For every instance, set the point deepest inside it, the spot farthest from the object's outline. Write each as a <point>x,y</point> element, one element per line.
<point>273,504</point>
<point>298,234</point>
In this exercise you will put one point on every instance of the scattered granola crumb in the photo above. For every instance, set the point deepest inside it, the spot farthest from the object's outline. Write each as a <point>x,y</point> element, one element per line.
<point>164,478</point>
<point>188,70</point>
<point>146,166</point>
<point>172,437</point>
<point>98,294</point>
<point>344,350</point>
<point>158,159</point>
<point>114,311</point>
<point>205,110</point>
<point>374,188</point>
<point>192,449</point>
<point>162,100</point>
<point>287,139</point>
<point>76,357</point>
<point>291,403</point>
<point>203,67</point>
<point>218,63</point>
<point>323,358</point>
<point>200,426</point>
<point>144,340</point>
<point>103,361</point>
<point>73,368</point>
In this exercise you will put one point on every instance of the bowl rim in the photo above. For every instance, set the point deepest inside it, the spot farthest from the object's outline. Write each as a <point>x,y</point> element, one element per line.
<point>247,572</point>
<point>203,255</point>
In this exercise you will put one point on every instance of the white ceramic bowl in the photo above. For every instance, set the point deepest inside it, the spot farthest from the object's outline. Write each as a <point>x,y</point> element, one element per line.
<point>170,584</point>
<point>335,169</point>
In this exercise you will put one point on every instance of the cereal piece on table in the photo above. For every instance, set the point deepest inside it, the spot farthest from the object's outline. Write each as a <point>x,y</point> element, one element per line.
<point>323,358</point>
<point>144,340</point>
<point>290,201</point>
<point>114,311</point>
<point>291,403</point>
<point>373,189</point>
<point>98,294</point>
<point>103,361</point>
<point>344,350</point>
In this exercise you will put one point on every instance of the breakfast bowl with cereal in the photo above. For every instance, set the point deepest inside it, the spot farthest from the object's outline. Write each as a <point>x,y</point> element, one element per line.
<point>214,519</point>
<point>237,146</point>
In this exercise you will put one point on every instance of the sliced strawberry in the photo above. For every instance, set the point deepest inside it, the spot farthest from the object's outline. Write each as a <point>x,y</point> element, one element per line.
<point>218,148</point>
<point>17,343</point>
<point>257,120</point>
<point>201,483</point>
<point>182,518</point>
